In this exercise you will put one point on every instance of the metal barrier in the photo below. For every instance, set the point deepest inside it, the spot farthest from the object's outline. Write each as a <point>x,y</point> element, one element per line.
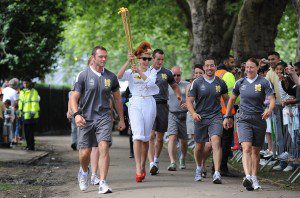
<point>286,145</point>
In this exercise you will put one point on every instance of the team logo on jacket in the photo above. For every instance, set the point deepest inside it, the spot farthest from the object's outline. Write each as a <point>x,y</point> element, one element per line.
<point>164,76</point>
<point>218,88</point>
<point>258,87</point>
<point>136,76</point>
<point>92,82</point>
<point>107,82</point>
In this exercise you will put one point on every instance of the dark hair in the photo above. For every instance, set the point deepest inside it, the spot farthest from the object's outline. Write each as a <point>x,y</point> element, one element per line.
<point>227,58</point>
<point>199,66</point>
<point>27,79</point>
<point>253,60</point>
<point>97,48</point>
<point>209,58</point>
<point>274,53</point>
<point>297,64</point>
<point>263,69</point>
<point>159,51</point>
<point>8,102</point>
<point>282,63</point>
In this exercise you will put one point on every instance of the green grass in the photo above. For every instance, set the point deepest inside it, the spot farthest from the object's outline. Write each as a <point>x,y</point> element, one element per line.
<point>6,187</point>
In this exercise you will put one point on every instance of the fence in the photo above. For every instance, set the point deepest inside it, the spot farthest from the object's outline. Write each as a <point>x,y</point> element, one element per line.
<point>53,108</point>
<point>286,144</point>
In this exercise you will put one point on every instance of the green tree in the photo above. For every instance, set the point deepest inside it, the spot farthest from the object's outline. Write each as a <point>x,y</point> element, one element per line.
<point>29,36</point>
<point>94,24</point>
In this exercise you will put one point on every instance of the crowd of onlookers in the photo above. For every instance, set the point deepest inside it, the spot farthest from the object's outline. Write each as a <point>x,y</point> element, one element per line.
<point>19,112</point>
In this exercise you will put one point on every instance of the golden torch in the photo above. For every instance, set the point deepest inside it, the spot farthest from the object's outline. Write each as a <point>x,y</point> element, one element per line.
<point>126,23</point>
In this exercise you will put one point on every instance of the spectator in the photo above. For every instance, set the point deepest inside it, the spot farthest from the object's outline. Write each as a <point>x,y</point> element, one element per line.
<point>2,109</point>
<point>8,122</point>
<point>29,110</point>
<point>10,92</point>
<point>18,123</point>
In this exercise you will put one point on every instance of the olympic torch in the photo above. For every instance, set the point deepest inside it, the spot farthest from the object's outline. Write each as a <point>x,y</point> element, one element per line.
<point>126,23</point>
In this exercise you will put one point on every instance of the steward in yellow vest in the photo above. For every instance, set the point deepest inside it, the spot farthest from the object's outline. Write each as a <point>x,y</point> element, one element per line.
<point>29,104</point>
<point>29,111</point>
<point>224,72</point>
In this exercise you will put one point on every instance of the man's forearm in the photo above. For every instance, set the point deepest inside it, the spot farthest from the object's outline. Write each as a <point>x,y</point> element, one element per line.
<point>119,108</point>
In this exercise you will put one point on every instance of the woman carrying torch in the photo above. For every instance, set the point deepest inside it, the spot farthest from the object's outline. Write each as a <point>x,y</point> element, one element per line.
<point>142,106</point>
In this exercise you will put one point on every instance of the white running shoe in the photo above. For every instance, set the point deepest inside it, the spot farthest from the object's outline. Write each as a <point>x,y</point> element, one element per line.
<point>104,188</point>
<point>262,162</point>
<point>268,154</point>
<point>283,156</point>
<point>83,181</point>
<point>95,180</point>
<point>262,152</point>
<point>277,168</point>
<point>198,175</point>
<point>217,178</point>
<point>288,168</point>
<point>255,182</point>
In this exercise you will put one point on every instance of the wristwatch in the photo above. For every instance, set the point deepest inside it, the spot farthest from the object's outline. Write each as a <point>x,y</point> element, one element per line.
<point>75,114</point>
<point>227,116</point>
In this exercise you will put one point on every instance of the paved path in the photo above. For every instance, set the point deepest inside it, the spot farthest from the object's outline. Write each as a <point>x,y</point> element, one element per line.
<point>167,184</point>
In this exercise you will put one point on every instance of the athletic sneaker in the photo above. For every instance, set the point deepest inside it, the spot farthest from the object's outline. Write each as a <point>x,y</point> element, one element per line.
<point>288,168</point>
<point>278,168</point>
<point>104,188</point>
<point>182,164</point>
<point>284,156</point>
<point>172,167</point>
<point>83,180</point>
<point>153,168</point>
<point>248,184</point>
<point>255,183</point>
<point>268,154</point>
<point>198,175</point>
<point>95,180</point>
<point>217,178</point>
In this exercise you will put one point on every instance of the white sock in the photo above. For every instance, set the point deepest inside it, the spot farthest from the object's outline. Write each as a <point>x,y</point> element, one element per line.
<point>217,172</point>
<point>199,167</point>
<point>156,160</point>
<point>254,177</point>
<point>102,181</point>
<point>248,176</point>
<point>84,173</point>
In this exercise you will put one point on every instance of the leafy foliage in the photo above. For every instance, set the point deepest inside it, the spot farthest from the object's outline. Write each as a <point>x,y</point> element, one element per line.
<point>286,41</point>
<point>93,23</point>
<point>29,36</point>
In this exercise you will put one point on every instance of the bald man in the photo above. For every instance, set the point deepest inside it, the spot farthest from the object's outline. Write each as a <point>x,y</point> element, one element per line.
<point>177,121</point>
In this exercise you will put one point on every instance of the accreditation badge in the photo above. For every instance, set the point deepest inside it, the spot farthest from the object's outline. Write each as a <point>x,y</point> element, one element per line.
<point>107,82</point>
<point>218,88</point>
<point>164,76</point>
<point>258,87</point>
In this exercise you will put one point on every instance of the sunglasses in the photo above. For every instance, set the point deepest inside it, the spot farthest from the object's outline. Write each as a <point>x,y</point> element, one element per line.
<point>146,58</point>
<point>178,75</point>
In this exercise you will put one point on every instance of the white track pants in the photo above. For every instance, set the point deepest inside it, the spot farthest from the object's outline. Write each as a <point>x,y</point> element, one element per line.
<point>142,113</point>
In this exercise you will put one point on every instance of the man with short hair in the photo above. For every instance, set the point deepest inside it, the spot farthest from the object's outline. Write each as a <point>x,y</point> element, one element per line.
<point>224,72</point>
<point>164,79</point>
<point>10,92</point>
<point>29,108</point>
<point>206,92</point>
<point>92,89</point>
<point>274,59</point>
<point>177,122</point>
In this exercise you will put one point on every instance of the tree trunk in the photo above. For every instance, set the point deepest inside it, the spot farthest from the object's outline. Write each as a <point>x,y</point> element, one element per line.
<point>256,28</point>
<point>212,29</point>
<point>296,4</point>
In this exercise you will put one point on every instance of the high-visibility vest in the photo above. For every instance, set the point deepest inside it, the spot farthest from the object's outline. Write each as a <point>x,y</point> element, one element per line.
<point>230,81</point>
<point>29,103</point>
